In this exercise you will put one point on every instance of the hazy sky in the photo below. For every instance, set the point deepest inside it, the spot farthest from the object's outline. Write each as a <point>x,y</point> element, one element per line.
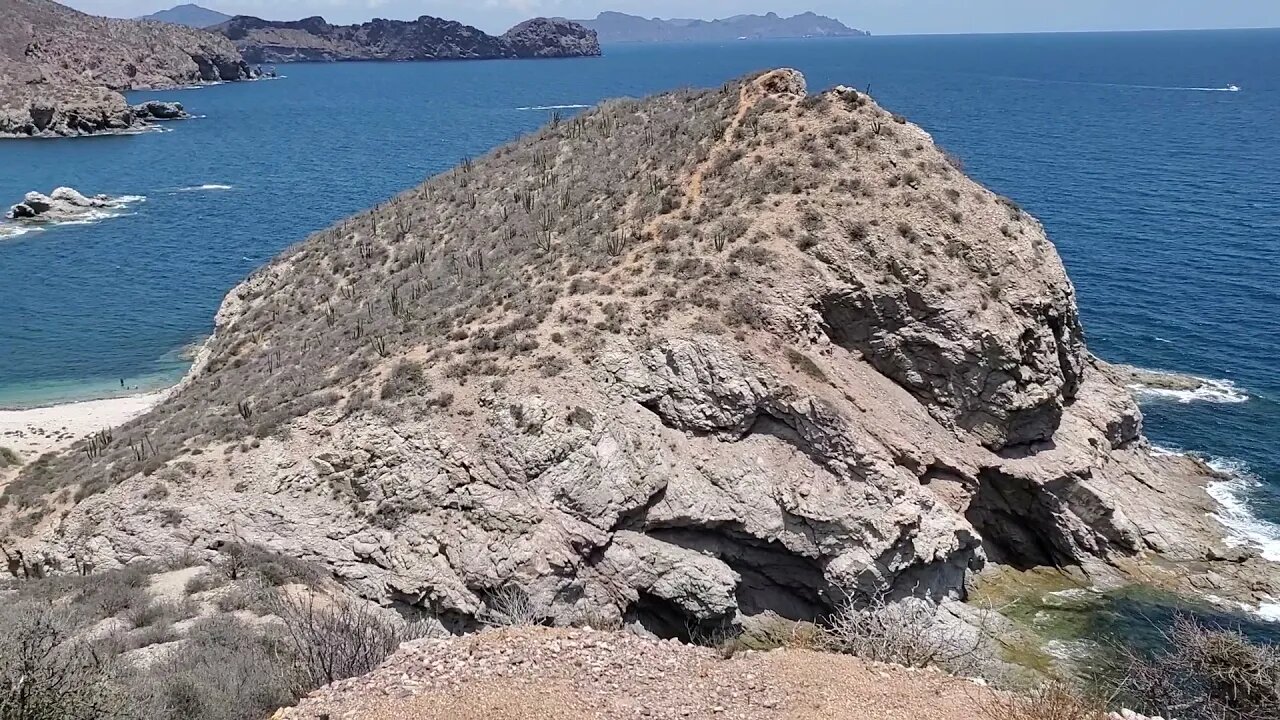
<point>879,16</point>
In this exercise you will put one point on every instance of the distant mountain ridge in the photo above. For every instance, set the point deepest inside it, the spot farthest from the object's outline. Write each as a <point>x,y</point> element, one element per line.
<point>190,14</point>
<point>616,27</point>
<point>427,38</point>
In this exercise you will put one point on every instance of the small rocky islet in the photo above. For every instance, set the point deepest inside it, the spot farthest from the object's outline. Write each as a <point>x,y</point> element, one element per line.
<point>62,205</point>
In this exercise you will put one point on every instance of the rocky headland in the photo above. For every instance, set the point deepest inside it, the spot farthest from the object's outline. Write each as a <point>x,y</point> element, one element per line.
<point>677,365</point>
<point>775,353</point>
<point>427,38</point>
<point>62,71</point>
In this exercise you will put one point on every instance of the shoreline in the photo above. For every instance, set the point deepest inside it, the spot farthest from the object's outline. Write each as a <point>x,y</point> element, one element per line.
<point>34,432</point>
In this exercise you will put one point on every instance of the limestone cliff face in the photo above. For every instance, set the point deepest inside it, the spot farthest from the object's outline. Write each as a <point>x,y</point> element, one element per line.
<point>675,361</point>
<point>427,38</point>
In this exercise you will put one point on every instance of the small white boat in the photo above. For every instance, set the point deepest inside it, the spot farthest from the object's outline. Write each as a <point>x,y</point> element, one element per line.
<point>1233,88</point>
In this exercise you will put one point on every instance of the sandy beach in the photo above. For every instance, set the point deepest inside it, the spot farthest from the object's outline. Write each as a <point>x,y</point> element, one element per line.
<point>34,432</point>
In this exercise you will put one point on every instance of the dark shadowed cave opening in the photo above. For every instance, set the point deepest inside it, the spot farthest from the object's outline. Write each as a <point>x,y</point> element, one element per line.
<point>1015,518</point>
<point>773,577</point>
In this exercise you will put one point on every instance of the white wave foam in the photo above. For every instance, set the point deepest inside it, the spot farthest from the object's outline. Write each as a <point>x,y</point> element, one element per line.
<point>114,209</point>
<point>1127,86</point>
<point>1269,611</point>
<point>1210,390</point>
<point>9,230</point>
<point>555,107</point>
<point>198,86</point>
<point>1198,89</point>
<point>1232,494</point>
<point>207,186</point>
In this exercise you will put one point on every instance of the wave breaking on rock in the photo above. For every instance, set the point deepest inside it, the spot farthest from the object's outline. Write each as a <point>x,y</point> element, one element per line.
<point>1179,387</point>
<point>66,206</point>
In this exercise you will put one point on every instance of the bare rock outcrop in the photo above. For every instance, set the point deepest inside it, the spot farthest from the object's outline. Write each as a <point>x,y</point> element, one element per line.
<point>64,111</point>
<point>62,205</point>
<point>160,110</point>
<point>674,362</point>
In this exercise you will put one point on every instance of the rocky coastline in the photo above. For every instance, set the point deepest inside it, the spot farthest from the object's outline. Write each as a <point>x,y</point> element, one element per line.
<point>62,72</point>
<point>427,38</point>
<point>76,111</point>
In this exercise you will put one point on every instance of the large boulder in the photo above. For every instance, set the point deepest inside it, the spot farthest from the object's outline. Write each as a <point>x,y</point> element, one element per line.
<point>160,110</point>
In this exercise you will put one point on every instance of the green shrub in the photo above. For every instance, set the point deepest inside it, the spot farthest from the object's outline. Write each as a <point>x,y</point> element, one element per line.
<point>225,671</point>
<point>205,581</point>
<point>9,458</point>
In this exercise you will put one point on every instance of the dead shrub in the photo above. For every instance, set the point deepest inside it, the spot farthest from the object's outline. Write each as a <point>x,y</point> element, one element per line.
<point>406,378</point>
<point>224,671</point>
<point>238,559</point>
<point>334,639</point>
<point>9,458</point>
<point>1054,701</point>
<point>510,606</point>
<point>1203,673</point>
<point>46,674</point>
<point>906,632</point>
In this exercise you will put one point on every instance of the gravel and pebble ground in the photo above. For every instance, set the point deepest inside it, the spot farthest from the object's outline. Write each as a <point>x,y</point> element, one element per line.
<point>544,673</point>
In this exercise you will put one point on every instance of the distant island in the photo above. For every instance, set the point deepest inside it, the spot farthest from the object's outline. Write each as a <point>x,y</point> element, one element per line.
<point>616,27</point>
<point>190,14</point>
<point>427,38</point>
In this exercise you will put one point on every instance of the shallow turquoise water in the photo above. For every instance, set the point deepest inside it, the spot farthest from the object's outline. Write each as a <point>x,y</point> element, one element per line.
<point>1161,192</point>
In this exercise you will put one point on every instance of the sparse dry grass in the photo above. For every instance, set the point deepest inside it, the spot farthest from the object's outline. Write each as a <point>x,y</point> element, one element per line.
<point>1054,701</point>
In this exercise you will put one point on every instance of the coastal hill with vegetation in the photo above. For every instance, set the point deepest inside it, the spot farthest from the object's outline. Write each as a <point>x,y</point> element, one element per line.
<point>747,367</point>
<point>427,38</point>
<point>62,71</point>
<point>616,27</point>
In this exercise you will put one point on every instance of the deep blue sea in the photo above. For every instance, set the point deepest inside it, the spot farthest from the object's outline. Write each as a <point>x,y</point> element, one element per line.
<point>1161,191</point>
